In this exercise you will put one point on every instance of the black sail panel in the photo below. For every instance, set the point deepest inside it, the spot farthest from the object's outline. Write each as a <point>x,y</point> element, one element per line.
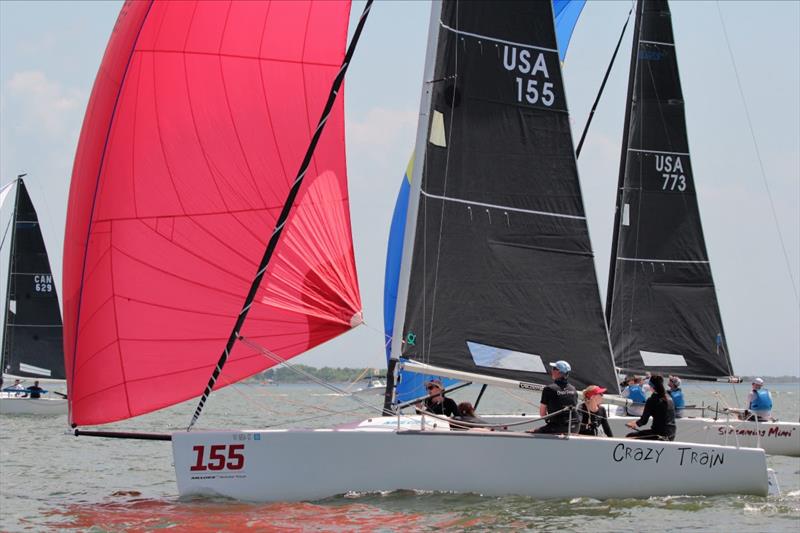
<point>502,276</point>
<point>664,315</point>
<point>32,342</point>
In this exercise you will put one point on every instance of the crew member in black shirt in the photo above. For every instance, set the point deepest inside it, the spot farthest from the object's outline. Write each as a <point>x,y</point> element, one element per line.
<point>436,402</point>
<point>659,405</point>
<point>35,391</point>
<point>555,397</point>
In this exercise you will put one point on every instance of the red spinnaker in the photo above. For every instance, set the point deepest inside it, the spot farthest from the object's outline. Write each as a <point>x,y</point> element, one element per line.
<point>197,124</point>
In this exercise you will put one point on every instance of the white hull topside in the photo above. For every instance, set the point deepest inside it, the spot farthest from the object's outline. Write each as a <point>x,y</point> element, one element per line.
<point>295,465</point>
<point>12,405</point>
<point>776,438</point>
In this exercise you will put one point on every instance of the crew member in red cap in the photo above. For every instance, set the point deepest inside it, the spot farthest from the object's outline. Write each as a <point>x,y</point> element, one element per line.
<point>593,414</point>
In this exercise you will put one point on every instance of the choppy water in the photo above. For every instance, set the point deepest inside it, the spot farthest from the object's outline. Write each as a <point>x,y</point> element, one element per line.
<point>50,480</point>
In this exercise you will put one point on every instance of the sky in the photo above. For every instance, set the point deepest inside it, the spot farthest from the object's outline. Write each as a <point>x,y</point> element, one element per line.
<point>50,52</point>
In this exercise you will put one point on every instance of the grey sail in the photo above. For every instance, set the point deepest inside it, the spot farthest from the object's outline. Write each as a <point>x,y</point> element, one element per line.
<point>501,279</point>
<point>32,328</point>
<point>661,306</point>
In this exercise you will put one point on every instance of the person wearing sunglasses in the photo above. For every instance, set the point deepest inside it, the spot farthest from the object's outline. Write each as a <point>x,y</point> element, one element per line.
<point>436,402</point>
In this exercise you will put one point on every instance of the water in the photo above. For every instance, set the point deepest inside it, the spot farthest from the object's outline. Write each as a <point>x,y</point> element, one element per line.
<point>50,480</point>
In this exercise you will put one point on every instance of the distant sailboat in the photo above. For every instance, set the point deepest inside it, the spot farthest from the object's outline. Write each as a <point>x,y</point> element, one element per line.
<point>32,329</point>
<point>208,238</point>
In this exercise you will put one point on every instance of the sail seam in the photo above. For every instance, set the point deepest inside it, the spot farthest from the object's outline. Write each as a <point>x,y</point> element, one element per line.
<point>516,209</point>
<point>660,260</point>
<point>656,42</point>
<point>657,152</point>
<point>495,39</point>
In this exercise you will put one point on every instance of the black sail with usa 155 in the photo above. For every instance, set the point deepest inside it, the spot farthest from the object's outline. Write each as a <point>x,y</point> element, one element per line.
<point>502,279</point>
<point>662,306</point>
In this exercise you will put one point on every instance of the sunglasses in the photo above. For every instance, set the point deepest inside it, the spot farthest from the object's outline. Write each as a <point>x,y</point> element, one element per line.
<point>431,387</point>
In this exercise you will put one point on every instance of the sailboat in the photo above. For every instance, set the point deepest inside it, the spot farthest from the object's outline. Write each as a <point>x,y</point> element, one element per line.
<point>204,245</point>
<point>657,307</point>
<point>32,330</point>
<point>661,305</point>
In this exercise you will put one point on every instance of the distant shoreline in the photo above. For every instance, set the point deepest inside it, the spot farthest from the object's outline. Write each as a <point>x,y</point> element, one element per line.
<point>307,374</point>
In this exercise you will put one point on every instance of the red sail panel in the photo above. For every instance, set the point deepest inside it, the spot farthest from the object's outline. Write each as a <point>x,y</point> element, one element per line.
<point>197,124</point>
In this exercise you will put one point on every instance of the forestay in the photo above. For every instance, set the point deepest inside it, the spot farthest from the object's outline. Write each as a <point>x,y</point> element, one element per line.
<point>196,128</point>
<point>661,306</point>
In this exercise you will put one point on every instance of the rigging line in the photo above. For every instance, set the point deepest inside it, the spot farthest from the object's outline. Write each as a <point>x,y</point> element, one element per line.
<point>448,140</point>
<point>602,85</point>
<point>278,359</point>
<point>287,207</point>
<point>758,157</point>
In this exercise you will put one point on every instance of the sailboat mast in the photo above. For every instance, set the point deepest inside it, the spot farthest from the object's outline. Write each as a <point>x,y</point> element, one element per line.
<point>612,267</point>
<point>423,126</point>
<point>6,340</point>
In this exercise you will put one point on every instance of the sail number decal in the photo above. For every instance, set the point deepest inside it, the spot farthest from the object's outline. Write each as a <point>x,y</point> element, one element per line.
<point>671,170</point>
<point>43,283</point>
<point>529,65</point>
<point>220,457</point>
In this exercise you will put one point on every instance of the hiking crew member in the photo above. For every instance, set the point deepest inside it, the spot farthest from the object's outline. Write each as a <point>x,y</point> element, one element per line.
<point>557,396</point>
<point>659,405</point>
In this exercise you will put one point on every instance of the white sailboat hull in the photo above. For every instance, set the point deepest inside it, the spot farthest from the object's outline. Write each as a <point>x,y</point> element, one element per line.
<point>11,405</point>
<point>275,465</point>
<point>775,438</point>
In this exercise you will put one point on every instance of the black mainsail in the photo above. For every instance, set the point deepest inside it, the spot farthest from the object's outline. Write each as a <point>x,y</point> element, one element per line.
<point>501,280</point>
<point>661,306</point>
<point>32,329</point>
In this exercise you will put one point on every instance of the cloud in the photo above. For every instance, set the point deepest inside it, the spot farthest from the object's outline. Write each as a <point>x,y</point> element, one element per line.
<point>383,128</point>
<point>49,107</point>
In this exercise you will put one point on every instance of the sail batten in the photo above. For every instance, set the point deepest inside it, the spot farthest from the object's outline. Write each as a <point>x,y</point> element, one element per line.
<point>662,306</point>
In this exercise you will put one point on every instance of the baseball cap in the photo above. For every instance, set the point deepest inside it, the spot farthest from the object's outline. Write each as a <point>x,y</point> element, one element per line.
<point>593,390</point>
<point>562,366</point>
<point>758,381</point>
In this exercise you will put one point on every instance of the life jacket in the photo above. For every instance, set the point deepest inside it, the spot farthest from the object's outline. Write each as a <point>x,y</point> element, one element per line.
<point>677,398</point>
<point>636,394</point>
<point>761,400</point>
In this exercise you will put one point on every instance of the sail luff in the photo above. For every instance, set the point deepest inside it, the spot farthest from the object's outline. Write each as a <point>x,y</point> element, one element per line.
<point>423,127</point>
<point>623,156</point>
<point>7,309</point>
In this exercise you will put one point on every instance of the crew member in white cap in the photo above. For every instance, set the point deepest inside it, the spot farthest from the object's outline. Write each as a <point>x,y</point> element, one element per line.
<point>759,402</point>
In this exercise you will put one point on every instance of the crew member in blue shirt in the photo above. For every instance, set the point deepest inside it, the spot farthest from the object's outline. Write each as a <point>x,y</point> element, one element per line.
<point>677,395</point>
<point>759,402</point>
<point>636,393</point>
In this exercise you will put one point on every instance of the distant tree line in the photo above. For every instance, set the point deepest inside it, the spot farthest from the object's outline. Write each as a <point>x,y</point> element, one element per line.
<point>283,374</point>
